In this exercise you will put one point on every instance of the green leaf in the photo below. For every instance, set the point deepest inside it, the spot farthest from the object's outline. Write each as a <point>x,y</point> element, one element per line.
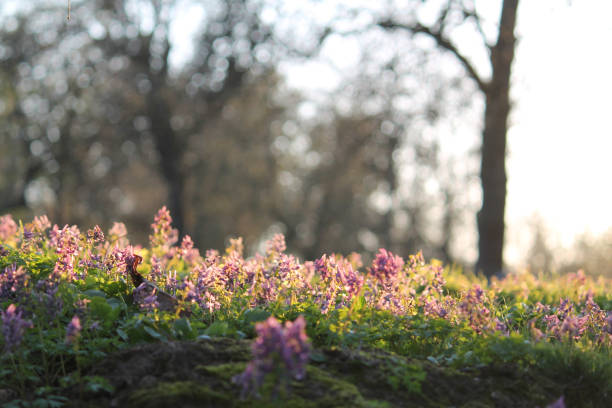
<point>122,334</point>
<point>153,333</point>
<point>318,357</point>
<point>91,293</point>
<point>96,384</point>
<point>218,329</point>
<point>183,328</point>
<point>256,315</point>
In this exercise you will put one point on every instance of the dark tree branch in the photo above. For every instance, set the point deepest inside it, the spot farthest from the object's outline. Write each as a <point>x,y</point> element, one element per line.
<point>443,42</point>
<point>472,14</point>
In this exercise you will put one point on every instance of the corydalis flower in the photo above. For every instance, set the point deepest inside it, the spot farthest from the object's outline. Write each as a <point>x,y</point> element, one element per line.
<point>190,254</point>
<point>284,350</point>
<point>73,330</point>
<point>66,242</point>
<point>13,327</point>
<point>386,267</point>
<point>276,245</point>
<point>41,224</point>
<point>560,403</point>
<point>163,233</point>
<point>145,297</point>
<point>95,235</point>
<point>340,278</point>
<point>12,282</point>
<point>8,227</point>
<point>473,308</point>
<point>117,235</point>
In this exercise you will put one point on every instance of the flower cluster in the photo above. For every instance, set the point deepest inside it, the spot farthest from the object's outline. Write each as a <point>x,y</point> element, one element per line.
<point>219,283</point>
<point>13,327</point>
<point>284,351</point>
<point>386,267</point>
<point>66,243</point>
<point>146,297</point>
<point>163,233</point>
<point>8,227</point>
<point>342,281</point>
<point>73,330</point>
<point>13,282</point>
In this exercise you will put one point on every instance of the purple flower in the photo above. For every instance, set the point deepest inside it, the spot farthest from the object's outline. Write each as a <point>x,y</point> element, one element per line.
<point>536,333</point>
<point>95,235</point>
<point>212,257</point>
<point>608,325</point>
<point>145,297</point>
<point>8,227</point>
<point>46,295</point>
<point>12,282</point>
<point>190,254</point>
<point>340,278</point>
<point>81,306</point>
<point>163,233</point>
<point>276,245</point>
<point>296,349</point>
<point>565,308</point>
<point>235,246</point>
<point>560,403</point>
<point>117,234</point>
<point>66,242</point>
<point>41,224</point>
<point>386,267</point>
<point>13,327</point>
<point>73,330</point>
<point>28,234</point>
<point>433,307</point>
<point>276,349</point>
<point>474,310</point>
<point>573,327</point>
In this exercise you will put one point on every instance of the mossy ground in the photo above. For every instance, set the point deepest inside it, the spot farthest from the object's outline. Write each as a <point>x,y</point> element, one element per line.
<point>199,373</point>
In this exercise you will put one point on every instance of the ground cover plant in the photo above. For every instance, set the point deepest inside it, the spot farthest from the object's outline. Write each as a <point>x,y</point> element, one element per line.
<point>89,320</point>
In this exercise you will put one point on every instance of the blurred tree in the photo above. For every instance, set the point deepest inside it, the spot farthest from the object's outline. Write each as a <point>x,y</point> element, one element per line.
<point>226,52</point>
<point>540,257</point>
<point>590,252</point>
<point>358,174</point>
<point>93,109</point>
<point>451,16</point>
<point>113,129</point>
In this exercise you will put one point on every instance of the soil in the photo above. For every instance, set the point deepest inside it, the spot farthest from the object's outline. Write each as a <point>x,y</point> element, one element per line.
<point>199,374</point>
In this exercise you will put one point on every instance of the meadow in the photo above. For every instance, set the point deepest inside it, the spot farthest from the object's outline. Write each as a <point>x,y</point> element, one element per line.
<point>87,319</point>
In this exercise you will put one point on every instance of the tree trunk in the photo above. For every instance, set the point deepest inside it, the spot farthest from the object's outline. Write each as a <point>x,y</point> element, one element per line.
<point>493,170</point>
<point>170,151</point>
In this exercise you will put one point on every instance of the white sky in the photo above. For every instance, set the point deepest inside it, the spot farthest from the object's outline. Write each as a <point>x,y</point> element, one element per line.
<point>561,136</point>
<point>560,140</point>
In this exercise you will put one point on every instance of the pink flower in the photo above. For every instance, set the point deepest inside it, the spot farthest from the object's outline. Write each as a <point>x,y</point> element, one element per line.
<point>73,330</point>
<point>560,403</point>
<point>163,233</point>
<point>386,267</point>
<point>13,327</point>
<point>276,245</point>
<point>276,348</point>
<point>8,227</point>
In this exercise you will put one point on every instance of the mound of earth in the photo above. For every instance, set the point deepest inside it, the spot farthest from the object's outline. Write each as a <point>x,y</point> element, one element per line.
<point>199,373</point>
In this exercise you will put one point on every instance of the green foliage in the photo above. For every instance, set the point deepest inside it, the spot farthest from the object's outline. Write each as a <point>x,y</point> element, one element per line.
<point>392,335</point>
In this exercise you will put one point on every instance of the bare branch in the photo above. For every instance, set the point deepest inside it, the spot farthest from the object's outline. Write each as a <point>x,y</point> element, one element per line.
<point>443,42</point>
<point>473,14</point>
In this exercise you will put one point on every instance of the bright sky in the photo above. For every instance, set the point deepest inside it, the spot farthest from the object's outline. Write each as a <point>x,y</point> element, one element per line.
<point>561,136</point>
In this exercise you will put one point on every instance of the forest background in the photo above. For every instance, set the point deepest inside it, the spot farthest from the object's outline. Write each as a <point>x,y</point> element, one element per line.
<point>336,123</point>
